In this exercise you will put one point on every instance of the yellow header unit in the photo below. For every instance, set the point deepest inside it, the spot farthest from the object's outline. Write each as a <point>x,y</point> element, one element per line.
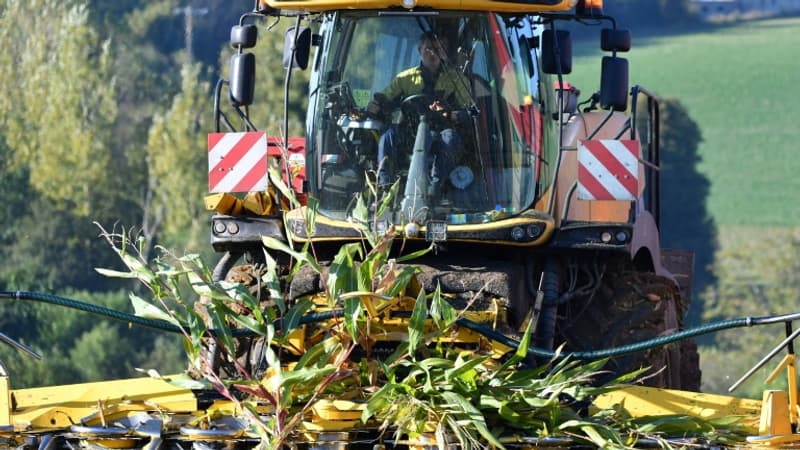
<point>525,6</point>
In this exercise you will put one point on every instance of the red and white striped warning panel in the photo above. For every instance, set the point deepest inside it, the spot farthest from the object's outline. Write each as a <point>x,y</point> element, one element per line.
<point>608,170</point>
<point>237,162</point>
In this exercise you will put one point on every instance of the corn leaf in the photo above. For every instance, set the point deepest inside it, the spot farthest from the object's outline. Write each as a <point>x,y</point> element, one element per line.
<point>416,326</point>
<point>142,308</point>
<point>216,313</point>
<point>474,416</point>
<point>352,314</point>
<point>302,257</point>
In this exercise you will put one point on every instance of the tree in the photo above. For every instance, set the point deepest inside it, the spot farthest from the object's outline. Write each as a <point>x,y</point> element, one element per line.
<point>58,102</point>
<point>177,162</point>
<point>57,111</point>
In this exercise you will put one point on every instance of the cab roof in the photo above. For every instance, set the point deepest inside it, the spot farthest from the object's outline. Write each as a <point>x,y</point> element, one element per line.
<point>521,6</point>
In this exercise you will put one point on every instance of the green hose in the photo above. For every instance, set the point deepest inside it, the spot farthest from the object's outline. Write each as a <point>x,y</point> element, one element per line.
<point>474,326</point>
<point>122,316</point>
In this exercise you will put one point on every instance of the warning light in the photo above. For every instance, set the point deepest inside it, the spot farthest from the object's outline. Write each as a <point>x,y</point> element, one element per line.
<point>590,8</point>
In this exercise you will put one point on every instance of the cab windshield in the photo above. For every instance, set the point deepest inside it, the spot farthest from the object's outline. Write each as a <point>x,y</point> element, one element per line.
<point>443,105</point>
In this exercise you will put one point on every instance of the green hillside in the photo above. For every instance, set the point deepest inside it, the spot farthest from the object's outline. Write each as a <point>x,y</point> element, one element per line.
<point>740,84</point>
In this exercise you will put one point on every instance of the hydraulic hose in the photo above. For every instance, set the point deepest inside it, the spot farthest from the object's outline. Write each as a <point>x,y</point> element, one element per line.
<point>474,326</point>
<point>635,347</point>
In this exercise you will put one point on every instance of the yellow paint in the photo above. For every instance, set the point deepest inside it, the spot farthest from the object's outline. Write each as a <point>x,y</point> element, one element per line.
<point>789,363</point>
<point>224,203</point>
<point>642,401</point>
<point>774,414</point>
<point>548,222</point>
<point>55,407</point>
<point>5,401</point>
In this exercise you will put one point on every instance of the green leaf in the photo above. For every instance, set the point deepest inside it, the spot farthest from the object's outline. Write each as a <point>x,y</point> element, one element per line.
<point>475,417</point>
<point>416,326</point>
<point>312,206</point>
<point>387,199</point>
<point>401,281</point>
<point>341,274</point>
<point>200,286</point>
<point>139,268</point>
<point>415,255</point>
<point>142,308</point>
<point>360,212</point>
<point>352,314</point>
<point>273,283</point>
<point>379,402</point>
<point>305,375</point>
<point>302,257</point>
<point>442,312</point>
<point>508,413</point>
<point>520,353</point>
<point>321,352</point>
<point>220,327</point>
<point>250,323</point>
<point>276,179</point>
<point>186,382</point>
<point>365,276</point>
<point>115,273</point>
<point>462,368</point>
<point>296,312</point>
<point>194,260</point>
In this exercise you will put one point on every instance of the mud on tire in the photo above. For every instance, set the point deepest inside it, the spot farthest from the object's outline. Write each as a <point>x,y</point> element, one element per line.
<point>631,307</point>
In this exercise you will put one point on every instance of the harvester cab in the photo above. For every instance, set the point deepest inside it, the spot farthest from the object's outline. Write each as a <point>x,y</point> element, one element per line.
<point>530,202</point>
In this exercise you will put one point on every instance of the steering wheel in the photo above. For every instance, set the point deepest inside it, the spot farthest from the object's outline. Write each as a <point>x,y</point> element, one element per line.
<point>416,103</point>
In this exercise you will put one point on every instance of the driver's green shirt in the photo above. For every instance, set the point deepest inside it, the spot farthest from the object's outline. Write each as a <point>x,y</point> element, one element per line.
<point>451,86</point>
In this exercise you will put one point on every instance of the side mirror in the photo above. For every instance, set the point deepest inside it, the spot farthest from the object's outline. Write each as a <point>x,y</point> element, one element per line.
<point>615,40</point>
<point>614,83</point>
<point>296,54</point>
<point>243,78</point>
<point>244,36</point>
<point>563,55</point>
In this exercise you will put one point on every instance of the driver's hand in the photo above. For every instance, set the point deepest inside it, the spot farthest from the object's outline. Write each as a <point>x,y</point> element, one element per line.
<point>436,106</point>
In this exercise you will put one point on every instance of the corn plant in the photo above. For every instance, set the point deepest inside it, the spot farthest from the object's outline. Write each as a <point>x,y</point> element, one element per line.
<point>428,388</point>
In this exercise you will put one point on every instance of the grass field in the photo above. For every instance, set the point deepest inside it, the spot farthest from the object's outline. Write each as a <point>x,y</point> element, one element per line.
<point>741,84</point>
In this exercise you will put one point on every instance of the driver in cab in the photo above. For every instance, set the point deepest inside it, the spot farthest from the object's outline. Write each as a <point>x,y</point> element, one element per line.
<point>446,91</point>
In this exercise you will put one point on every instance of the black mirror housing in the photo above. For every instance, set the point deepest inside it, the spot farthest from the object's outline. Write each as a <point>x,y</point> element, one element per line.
<point>613,40</point>
<point>302,48</point>
<point>614,83</point>
<point>243,79</point>
<point>244,36</point>
<point>549,56</point>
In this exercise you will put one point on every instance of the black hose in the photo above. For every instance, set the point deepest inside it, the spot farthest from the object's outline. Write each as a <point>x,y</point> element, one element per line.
<point>155,324</point>
<point>90,308</point>
<point>474,326</point>
<point>629,348</point>
<point>546,329</point>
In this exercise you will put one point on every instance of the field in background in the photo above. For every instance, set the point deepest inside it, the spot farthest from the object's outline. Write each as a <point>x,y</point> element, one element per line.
<point>741,84</point>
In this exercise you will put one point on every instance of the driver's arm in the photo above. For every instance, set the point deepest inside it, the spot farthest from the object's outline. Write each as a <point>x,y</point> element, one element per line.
<point>405,83</point>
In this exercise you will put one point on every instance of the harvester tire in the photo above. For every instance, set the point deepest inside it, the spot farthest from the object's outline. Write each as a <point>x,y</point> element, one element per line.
<point>232,267</point>
<point>628,308</point>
